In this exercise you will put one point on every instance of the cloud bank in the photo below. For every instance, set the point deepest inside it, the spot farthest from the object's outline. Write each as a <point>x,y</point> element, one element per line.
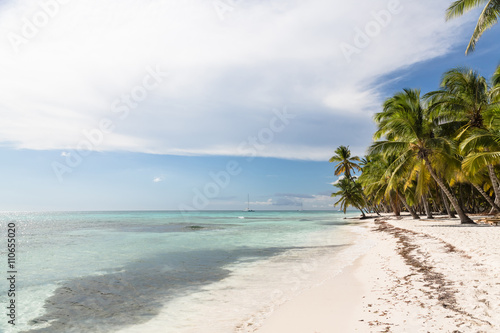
<point>193,78</point>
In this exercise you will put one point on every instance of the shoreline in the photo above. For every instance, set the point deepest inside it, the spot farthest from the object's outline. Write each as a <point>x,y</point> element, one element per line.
<point>421,276</point>
<point>321,308</point>
<point>253,290</point>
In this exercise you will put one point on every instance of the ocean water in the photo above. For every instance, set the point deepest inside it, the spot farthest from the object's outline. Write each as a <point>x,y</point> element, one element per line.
<point>167,271</point>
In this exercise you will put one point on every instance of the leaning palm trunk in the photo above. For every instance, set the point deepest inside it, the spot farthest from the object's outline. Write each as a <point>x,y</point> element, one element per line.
<point>428,211</point>
<point>370,205</point>
<point>493,205</point>
<point>464,219</point>
<point>496,187</point>
<point>446,204</point>
<point>363,216</point>
<point>387,208</point>
<point>395,206</point>
<point>411,210</point>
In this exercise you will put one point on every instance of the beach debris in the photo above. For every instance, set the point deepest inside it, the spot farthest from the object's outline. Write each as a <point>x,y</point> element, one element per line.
<point>494,220</point>
<point>436,285</point>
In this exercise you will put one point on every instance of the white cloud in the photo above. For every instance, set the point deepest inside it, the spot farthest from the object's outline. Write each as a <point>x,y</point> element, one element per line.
<point>225,77</point>
<point>295,201</point>
<point>158,179</point>
<point>262,203</point>
<point>319,201</point>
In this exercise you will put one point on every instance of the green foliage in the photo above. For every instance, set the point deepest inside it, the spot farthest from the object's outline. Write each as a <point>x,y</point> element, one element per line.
<point>427,147</point>
<point>487,18</point>
<point>346,163</point>
<point>462,100</point>
<point>350,193</point>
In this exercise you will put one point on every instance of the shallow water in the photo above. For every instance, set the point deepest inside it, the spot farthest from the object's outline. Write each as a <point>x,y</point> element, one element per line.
<point>178,272</point>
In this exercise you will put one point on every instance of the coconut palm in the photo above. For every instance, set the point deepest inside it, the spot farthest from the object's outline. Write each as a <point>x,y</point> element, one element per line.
<point>376,178</point>
<point>366,163</point>
<point>462,99</point>
<point>462,103</point>
<point>350,192</point>
<point>484,149</point>
<point>396,174</point>
<point>488,17</point>
<point>408,130</point>
<point>346,163</point>
<point>372,181</point>
<point>420,179</point>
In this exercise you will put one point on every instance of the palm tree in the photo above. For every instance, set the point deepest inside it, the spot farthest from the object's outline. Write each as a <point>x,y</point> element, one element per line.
<point>366,164</point>
<point>396,173</point>
<point>405,124</point>
<point>488,17</point>
<point>345,162</point>
<point>376,179</point>
<point>483,147</point>
<point>350,193</point>
<point>420,179</point>
<point>462,99</point>
<point>462,104</point>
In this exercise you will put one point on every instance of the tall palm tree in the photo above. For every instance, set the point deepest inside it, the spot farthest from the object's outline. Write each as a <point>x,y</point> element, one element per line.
<point>379,181</point>
<point>462,104</point>
<point>483,147</point>
<point>366,163</point>
<point>462,99</point>
<point>350,193</point>
<point>405,124</point>
<point>420,179</point>
<point>346,163</point>
<point>489,16</point>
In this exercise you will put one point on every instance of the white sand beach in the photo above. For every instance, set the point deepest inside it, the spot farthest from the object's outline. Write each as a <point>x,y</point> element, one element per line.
<point>421,276</point>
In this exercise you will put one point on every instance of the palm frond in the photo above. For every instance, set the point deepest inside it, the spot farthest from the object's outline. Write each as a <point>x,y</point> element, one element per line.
<point>460,7</point>
<point>487,19</point>
<point>476,162</point>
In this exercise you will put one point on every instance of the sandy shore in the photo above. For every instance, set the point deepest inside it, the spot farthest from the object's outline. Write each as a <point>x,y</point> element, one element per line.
<point>421,276</point>
<point>318,311</point>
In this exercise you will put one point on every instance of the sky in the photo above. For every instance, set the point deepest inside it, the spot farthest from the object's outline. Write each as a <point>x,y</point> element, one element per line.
<point>196,104</point>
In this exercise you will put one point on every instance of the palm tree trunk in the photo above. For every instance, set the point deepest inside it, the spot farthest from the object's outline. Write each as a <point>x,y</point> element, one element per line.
<point>447,204</point>
<point>375,209</point>
<point>470,200</point>
<point>387,208</point>
<point>395,206</point>
<point>464,219</point>
<point>428,211</point>
<point>496,187</point>
<point>363,216</point>
<point>487,197</point>
<point>370,205</point>
<point>460,197</point>
<point>411,210</point>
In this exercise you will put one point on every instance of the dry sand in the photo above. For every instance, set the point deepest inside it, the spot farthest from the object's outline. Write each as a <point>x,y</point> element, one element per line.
<point>421,276</point>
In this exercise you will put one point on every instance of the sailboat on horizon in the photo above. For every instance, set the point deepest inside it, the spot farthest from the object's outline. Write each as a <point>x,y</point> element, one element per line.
<point>248,205</point>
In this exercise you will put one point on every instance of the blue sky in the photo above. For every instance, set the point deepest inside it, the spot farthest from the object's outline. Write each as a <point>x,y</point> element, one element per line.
<point>112,105</point>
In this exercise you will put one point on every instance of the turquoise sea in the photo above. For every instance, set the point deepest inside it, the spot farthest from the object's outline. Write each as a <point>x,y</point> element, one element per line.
<point>216,271</point>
